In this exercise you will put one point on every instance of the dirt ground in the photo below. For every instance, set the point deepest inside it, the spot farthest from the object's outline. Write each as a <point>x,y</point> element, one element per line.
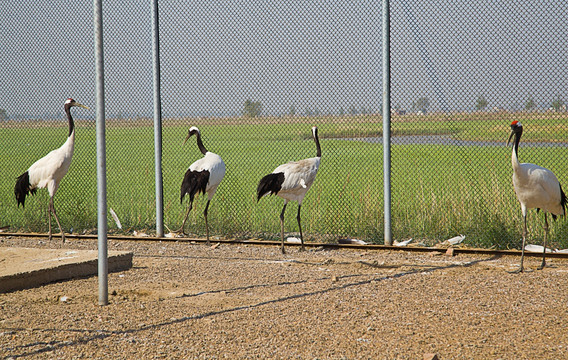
<point>191,301</point>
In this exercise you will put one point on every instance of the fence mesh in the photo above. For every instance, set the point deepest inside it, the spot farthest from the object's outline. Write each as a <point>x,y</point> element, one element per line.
<point>255,77</point>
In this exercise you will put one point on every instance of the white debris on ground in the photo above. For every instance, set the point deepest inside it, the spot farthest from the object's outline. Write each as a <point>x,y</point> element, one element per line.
<point>352,241</point>
<point>402,243</point>
<point>455,240</point>
<point>115,217</point>
<point>540,248</point>
<point>294,240</point>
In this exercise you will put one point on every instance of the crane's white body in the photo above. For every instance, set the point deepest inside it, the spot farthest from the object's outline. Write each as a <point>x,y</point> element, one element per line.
<point>536,187</point>
<point>298,178</point>
<point>48,171</point>
<point>216,167</point>
<point>291,181</point>
<point>210,168</point>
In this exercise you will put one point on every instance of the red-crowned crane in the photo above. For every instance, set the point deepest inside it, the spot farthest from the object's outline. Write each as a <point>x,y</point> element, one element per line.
<point>49,170</point>
<point>203,176</point>
<point>291,181</point>
<point>535,187</point>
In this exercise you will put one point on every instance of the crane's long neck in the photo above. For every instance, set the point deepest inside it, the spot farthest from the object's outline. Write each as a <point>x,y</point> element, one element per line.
<point>515,154</point>
<point>318,147</point>
<point>71,123</point>
<point>200,144</point>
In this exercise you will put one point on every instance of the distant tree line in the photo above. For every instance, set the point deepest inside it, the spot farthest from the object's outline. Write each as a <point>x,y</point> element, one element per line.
<point>421,104</point>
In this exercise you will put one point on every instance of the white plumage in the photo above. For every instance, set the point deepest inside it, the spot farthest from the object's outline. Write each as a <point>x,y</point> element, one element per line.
<point>536,188</point>
<point>298,178</point>
<point>48,171</point>
<point>291,181</point>
<point>214,164</point>
<point>203,176</point>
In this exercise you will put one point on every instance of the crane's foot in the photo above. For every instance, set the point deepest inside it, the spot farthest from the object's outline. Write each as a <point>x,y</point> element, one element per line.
<point>518,271</point>
<point>283,250</point>
<point>541,266</point>
<point>302,248</point>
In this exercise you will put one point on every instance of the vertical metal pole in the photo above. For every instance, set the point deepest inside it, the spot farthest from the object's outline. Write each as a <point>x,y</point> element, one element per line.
<point>157,121</point>
<point>386,122</point>
<point>101,155</point>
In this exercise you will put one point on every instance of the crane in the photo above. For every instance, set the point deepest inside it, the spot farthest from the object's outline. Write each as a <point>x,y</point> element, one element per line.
<point>49,170</point>
<point>203,176</point>
<point>291,181</point>
<point>535,187</point>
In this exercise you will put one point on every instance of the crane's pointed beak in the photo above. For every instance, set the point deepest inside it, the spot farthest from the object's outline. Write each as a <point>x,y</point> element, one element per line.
<point>510,136</point>
<point>81,105</point>
<point>187,138</point>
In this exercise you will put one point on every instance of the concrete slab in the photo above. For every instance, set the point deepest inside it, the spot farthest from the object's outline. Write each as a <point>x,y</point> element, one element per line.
<point>22,268</point>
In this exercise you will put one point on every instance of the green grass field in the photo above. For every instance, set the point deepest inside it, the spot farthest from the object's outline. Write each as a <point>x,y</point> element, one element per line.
<point>438,191</point>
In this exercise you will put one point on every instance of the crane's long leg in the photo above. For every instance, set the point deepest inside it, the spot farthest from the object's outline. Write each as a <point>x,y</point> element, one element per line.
<point>544,244</point>
<point>521,269</point>
<point>52,209</point>
<point>207,225</point>
<point>282,228</point>
<point>186,216</point>
<point>49,221</point>
<point>300,227</point>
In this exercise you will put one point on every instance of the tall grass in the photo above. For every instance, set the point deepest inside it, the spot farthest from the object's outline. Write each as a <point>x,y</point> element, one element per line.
<point>437,191</point>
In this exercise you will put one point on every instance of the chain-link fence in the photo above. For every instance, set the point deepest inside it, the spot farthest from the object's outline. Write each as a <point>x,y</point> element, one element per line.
<point>255,77</point>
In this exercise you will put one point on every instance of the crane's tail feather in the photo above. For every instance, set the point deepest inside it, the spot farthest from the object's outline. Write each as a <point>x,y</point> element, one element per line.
<point>563,199</point>
<point>194,182</point>
<point>563,203</point>
<point>270,184</point>
<point>22,188</point>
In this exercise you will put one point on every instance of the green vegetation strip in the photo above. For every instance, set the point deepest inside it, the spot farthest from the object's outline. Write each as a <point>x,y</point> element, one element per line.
<point>438,191</point>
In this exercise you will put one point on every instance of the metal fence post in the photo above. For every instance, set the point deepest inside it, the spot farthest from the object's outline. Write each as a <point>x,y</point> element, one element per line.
<point>386,122</point>
<point>157,121</point>
<point>101,155</point>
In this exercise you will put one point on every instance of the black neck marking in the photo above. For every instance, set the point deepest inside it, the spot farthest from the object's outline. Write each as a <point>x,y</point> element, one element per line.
<point>71,123</point>
<point>318,147</point>
<point>200,144</point>
<point>518,134</point>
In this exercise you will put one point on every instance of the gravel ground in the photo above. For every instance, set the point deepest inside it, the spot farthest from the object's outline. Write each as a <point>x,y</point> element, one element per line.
<point>183,300</point>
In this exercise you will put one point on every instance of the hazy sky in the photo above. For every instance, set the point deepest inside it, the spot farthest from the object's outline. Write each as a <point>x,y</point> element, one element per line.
<point>317,55</point>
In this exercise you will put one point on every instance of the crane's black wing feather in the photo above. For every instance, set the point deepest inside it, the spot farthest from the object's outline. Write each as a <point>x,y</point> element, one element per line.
<point>270,184</point>
<point>194,182</point>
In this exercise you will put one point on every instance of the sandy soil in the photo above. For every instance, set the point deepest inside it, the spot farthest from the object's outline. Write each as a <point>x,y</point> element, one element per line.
<point>183,300</point>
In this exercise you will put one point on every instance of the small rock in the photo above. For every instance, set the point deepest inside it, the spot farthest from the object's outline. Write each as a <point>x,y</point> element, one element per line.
<point>215,246</point>
<point>334,278</point>
<point>431,357</point>
<point>450,252</point>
